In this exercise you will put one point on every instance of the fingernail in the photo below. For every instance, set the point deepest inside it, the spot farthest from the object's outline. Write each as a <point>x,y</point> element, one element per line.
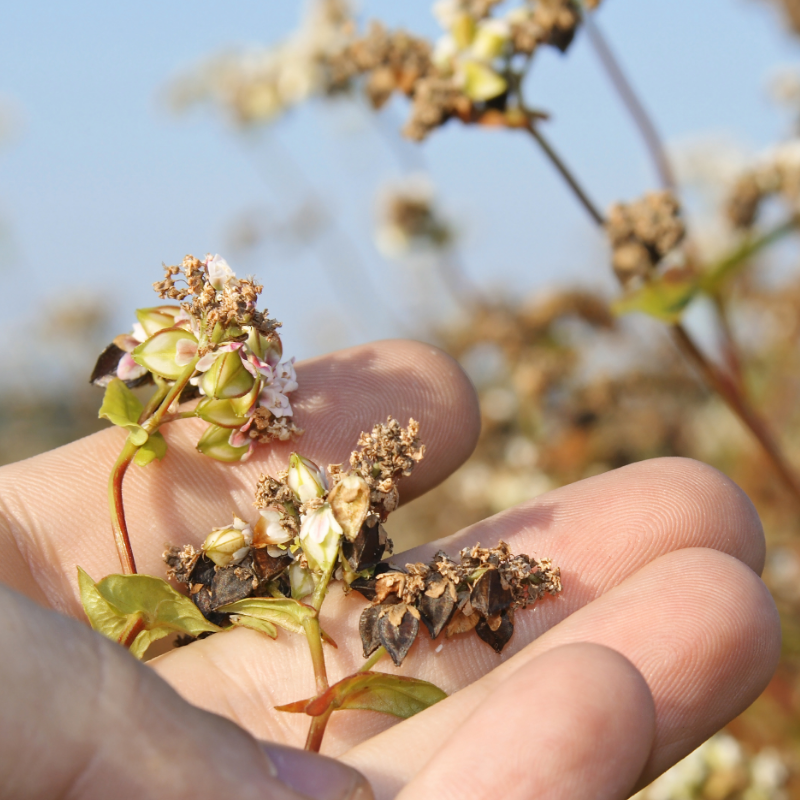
<point>316,776</point>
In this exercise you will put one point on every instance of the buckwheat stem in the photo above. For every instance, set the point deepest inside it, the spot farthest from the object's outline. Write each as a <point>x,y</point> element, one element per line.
<point>373,659</point>
<point>151,425</point>
<point>314,638</point>
<point>566,173</point>
<point>632,103</point>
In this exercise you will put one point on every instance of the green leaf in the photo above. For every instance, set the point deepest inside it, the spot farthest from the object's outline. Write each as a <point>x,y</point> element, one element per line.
<point>372,691</point>
<point>219,412</point>
<point>119,604</point>
<point>215,444</point>
<point>717,274</point>
<point>145,639</point>
<point>227,377</point>
<point>260,625</point>
<point>102,615</point>
<point>285,612</point>
<point>154,447</point>
<point>158,352</point>
<point>121,407</point>
<point>664,300</point>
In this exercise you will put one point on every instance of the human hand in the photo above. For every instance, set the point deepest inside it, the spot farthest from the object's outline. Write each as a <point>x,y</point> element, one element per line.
<point>657,562</point>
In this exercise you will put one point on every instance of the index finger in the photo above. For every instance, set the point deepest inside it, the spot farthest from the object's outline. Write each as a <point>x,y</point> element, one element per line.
<point>54,508</point>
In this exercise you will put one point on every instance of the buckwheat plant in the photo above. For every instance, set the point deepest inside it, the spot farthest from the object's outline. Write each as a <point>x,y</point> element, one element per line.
<point>311,525</point>
<point>215,344</point>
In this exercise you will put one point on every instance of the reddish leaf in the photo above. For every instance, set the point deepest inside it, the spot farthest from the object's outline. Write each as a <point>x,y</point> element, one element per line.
<point>372,691</point>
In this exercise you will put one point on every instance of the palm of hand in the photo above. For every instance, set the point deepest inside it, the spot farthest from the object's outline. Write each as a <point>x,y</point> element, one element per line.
<point>659,563</point>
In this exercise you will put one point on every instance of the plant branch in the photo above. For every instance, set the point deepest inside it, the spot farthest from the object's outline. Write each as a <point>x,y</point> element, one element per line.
<point>630,100</point>
<point>714,378</point>
<point>120,527</point>
<point>566,174</point>
<point>129,450</point>
<point>727,390</point>
<point>373,659</point>
<point>314,638</point>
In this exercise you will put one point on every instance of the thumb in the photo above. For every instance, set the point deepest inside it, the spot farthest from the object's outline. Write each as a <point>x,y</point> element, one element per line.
<point>83,719</point>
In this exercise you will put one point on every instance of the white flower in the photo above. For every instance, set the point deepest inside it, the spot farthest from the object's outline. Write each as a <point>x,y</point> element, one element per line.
<point>320,535</point>
<point>285,376</point>
<point>275,402</point>
<point>219,273</point>
<point>269,528</point>
<point>305,478</point>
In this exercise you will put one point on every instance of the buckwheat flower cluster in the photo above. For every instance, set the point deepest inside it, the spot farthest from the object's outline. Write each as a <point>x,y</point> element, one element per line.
<point>218,346</point>
<point>642,233</point>
<point>314,525</point>
<point>259,85</point>
<point>776,173</point>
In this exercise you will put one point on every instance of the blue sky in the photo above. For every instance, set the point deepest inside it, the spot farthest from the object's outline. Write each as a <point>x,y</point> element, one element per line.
<point>101,183</point>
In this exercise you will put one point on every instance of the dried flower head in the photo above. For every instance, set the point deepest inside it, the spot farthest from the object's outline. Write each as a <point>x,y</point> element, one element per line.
<point>386,454</point>
<point>480,592</point>
<point>642,233</point>
<point>776,173</point>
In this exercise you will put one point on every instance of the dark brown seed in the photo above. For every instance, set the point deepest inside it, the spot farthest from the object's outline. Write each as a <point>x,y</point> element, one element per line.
<point>436,612</point>
<point>397,639</point>
<point>204,571</point>
<point>231,584</point>
<point>488,597</point>
<point>265,566</point>
<point>105,370</point>
<point>368,628</point>
<point>367,548</point>
<point>366,586</point>
<point>497,639</point>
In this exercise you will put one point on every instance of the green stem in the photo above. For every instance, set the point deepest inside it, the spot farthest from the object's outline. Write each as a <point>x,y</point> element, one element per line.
<point>115,500</point>
<point>154,402</point>
<point>373,659</point>
<point>314,638</point>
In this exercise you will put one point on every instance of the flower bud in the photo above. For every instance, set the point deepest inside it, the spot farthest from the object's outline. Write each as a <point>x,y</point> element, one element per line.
<point>219,272</point>
<point>301,581</point>
<point>320,535</point>
<point>305,478</point>
<point>152,320</point>
<point>228,545</point>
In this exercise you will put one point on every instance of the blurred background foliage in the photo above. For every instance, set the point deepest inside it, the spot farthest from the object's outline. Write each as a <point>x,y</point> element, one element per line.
<point>568,387</point>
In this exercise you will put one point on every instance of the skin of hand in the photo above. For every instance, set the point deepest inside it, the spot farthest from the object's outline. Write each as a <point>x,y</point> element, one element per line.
<point>663,633</point>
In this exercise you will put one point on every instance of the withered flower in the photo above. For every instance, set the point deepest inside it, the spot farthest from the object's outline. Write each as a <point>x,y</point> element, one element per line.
<point>481,592</point>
